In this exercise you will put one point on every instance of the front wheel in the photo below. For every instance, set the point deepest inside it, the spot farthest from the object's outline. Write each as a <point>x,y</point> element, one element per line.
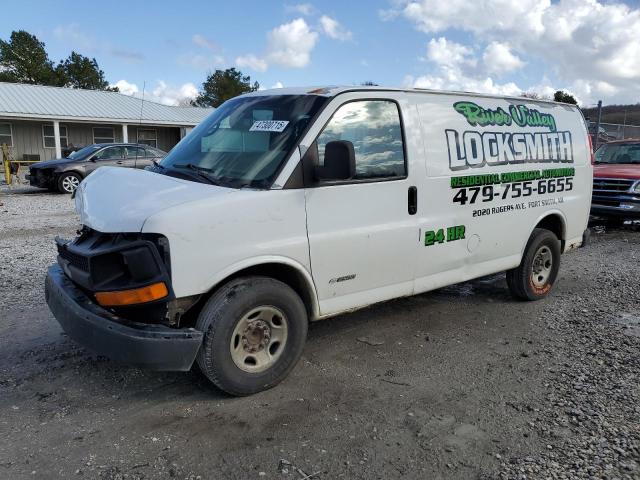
<point>254,333</point>
<point>68,182</point>
<point>538,270</point>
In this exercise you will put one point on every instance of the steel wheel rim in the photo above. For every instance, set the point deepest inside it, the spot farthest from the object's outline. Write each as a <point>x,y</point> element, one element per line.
<point>70,183</point>
<point>259,338</point>
<point>542,266</point>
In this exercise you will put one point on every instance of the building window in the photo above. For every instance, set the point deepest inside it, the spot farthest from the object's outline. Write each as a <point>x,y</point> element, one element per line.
<point>49,137</point>
<point>6,137</point>
<point>148,137</point>
<point>103,135</point>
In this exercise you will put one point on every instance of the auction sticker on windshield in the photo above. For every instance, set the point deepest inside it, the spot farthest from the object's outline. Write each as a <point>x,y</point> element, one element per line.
<point>269,126</point>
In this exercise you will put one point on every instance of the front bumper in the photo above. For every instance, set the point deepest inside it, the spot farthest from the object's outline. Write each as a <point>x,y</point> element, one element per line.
<point>620,208</point>
<point>155,347</point>
<point>38,180</point>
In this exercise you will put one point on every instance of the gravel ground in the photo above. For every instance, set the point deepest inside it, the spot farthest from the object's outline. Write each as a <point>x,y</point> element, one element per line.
<point>463,382</point>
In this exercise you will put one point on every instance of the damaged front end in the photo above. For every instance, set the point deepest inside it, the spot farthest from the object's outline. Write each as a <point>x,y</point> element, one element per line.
<point>112,292</point>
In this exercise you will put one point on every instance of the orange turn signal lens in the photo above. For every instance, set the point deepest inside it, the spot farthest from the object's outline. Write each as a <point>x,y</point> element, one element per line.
<point>131,297</point>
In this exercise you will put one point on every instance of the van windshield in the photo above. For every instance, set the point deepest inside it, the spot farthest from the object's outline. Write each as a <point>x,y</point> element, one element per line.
<point>245,141</point>
<point>619,153</point>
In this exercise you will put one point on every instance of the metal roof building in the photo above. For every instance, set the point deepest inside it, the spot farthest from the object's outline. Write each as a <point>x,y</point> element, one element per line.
<point>39,122</point>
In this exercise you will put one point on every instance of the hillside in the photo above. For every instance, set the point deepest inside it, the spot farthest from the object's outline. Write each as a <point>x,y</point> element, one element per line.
<point>615,114</point>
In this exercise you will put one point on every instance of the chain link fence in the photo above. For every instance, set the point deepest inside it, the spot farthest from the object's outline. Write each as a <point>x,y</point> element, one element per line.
<point>615,131</point>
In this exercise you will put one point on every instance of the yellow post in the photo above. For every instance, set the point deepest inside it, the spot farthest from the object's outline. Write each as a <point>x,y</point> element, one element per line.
<point>6,163</point>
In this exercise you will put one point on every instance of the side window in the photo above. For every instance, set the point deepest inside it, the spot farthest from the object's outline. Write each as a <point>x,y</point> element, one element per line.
<point>135,152</point>
<point>111,153</point>
<point>373,126</point>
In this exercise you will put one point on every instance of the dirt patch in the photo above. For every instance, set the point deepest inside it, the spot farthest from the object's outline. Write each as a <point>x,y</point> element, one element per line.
<point>463,382</point>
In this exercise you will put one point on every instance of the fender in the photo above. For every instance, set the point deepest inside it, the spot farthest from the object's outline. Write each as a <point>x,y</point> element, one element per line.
<point>231,270</point>
<point>544,215</point>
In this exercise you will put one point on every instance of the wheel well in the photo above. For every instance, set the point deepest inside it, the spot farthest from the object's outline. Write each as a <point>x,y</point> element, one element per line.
<point>75,172</point>
<point>554,224</point>
<point>284,273</point>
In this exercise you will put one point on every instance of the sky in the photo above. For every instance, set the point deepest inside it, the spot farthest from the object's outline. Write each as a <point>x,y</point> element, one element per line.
<point>590,48</point>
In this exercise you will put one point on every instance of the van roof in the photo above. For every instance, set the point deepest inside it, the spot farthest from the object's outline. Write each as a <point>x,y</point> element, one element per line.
<point>333,90</point>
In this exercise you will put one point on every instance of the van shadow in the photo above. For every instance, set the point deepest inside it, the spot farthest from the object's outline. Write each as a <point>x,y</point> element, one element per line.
<point>63,365</point>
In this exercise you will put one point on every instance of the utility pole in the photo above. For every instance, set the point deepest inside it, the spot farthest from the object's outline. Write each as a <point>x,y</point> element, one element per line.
<point>597,134</point>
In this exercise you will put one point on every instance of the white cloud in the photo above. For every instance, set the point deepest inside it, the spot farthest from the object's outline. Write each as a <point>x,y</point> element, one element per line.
<point>203,42</point>
<point>448,53</point>
<point>162,93</point>
<point>455,68</point>
<point>498,59</point>
<point>125,87</point>
<point>592,46</point>
<point>481,16</point>
<point>333,29</point>
<point>290,44</point>
<point>301,8</point>
<point>251,61</point>
<point>277,85</point>
<point>454,80</point>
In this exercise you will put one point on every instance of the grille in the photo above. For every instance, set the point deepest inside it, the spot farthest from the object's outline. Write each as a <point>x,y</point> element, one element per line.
<point>74,259</point>
<point>611,186</point>
<point>606,203</point>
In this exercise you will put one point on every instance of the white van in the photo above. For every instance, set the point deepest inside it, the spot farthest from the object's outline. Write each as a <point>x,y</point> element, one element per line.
<point>291,205</point>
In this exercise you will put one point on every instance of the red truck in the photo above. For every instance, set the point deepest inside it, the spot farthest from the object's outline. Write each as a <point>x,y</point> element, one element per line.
<point>616,181</point>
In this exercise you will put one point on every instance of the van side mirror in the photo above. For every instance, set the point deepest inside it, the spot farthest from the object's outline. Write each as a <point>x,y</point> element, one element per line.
<point>339,161</point>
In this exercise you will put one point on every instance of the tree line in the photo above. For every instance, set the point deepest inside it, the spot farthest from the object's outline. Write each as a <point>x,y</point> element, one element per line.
<point>23,59</point>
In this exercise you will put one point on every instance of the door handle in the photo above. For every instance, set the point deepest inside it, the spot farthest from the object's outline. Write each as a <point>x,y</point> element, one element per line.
<point>412,200</point>
<point>119,162</point>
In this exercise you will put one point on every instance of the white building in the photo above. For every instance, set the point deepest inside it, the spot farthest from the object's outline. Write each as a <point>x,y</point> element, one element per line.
<point>39,122</point>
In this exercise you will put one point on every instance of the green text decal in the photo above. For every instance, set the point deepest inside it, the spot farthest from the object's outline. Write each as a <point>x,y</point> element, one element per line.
<point>518,114</point>
<point>450,234</point>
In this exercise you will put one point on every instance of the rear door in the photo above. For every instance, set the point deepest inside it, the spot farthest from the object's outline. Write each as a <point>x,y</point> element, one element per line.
<point>362,237</point>
<point>137,157</point>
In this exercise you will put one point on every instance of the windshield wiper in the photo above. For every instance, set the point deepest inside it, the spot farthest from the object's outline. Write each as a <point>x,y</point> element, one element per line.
<point>199,172</point>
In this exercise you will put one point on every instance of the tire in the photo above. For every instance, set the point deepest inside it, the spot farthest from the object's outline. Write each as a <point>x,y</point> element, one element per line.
<point>243,321</point>
<point>534,278</point>
<point>68,182</point>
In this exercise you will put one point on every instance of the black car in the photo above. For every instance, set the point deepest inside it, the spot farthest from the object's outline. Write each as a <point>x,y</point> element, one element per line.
<point>65,174</point>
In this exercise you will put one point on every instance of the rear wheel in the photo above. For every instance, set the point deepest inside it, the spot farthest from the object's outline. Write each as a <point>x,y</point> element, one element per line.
<point>254,333</point>
<point>538,270</point>
<point>68,182</point>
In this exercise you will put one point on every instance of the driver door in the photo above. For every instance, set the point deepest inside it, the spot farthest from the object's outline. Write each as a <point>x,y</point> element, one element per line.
<point>362,236</point>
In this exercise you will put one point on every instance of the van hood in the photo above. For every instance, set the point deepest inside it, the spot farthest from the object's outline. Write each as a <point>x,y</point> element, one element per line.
<point>617,170</point>
<point>116,199</point>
